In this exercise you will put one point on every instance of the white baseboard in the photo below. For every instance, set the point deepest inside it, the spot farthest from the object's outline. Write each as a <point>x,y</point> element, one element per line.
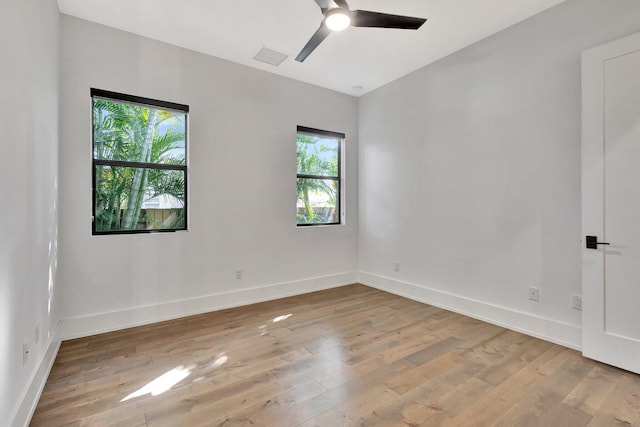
<point>136,316</point>
<point>29,401</point>
<point>565,334</point>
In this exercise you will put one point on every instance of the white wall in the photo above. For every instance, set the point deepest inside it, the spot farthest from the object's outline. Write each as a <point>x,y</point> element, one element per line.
<point>469,177</point>
<point>470,172</point>
<point>242,193</point>
<point>28,194</point>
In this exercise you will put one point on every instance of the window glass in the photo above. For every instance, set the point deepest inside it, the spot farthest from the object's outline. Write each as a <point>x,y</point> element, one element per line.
<point>318,177</point>
<point>139,164</point>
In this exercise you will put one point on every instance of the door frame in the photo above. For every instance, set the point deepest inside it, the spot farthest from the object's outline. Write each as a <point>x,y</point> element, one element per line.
<point>596,343</point>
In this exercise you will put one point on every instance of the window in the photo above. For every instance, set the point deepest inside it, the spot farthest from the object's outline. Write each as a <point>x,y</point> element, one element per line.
<point>319,176</point>
<point>139,164</point>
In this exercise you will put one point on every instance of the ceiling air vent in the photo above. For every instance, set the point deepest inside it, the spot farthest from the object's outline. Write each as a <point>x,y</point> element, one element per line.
<point>271,57</point>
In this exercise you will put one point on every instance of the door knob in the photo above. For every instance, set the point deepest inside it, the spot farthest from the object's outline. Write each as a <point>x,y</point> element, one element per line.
<point>592,242</point>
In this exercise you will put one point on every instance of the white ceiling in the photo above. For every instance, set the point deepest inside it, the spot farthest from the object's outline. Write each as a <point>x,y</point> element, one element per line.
<point>367,57</point>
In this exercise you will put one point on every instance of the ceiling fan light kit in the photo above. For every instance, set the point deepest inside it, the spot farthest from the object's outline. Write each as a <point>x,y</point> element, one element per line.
<point>339,18</point>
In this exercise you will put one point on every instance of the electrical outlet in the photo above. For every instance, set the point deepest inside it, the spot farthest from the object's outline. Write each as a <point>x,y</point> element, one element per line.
<point>396,266</point>
<point>25,353</point>
<point>576,302</point>
<point>239,274</point>
<point>534,294</point>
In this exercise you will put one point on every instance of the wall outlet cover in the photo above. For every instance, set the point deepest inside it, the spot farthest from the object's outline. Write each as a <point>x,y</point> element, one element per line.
<point>576,302</point>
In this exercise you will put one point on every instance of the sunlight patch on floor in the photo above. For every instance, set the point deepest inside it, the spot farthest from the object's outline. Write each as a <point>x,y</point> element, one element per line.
<point>220,360</point>
<point>163,383</point>
<point>281,318</point>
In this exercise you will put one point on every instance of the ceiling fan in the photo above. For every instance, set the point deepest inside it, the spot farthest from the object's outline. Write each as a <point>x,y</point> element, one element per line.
<point>340,17</point>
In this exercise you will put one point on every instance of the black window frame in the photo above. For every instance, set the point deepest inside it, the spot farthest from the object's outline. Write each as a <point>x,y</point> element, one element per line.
<point>146,102</point>
<point>341,137</point>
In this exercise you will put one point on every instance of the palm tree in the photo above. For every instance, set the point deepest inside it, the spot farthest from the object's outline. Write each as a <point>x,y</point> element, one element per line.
<point>139,178</point>
<point>134,133</point>
<point>313,160</point>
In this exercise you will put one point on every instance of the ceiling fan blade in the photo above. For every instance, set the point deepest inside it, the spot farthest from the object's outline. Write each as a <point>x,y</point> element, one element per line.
<point>324,5</point>
<point>313,42</point>
<point>365,18</point>
<point>342,3</point>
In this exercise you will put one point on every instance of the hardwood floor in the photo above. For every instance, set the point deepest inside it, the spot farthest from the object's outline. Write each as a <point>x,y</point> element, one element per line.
<point>351,356</point>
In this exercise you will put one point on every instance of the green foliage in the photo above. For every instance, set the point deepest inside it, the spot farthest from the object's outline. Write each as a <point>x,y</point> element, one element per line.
<point>135,133</point>
<point>317,157</point>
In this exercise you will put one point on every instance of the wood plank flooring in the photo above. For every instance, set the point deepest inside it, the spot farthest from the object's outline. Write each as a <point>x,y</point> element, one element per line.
<point>351,356</point>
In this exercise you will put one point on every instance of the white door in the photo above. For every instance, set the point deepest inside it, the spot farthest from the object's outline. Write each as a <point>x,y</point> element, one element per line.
<point>611,203</point>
